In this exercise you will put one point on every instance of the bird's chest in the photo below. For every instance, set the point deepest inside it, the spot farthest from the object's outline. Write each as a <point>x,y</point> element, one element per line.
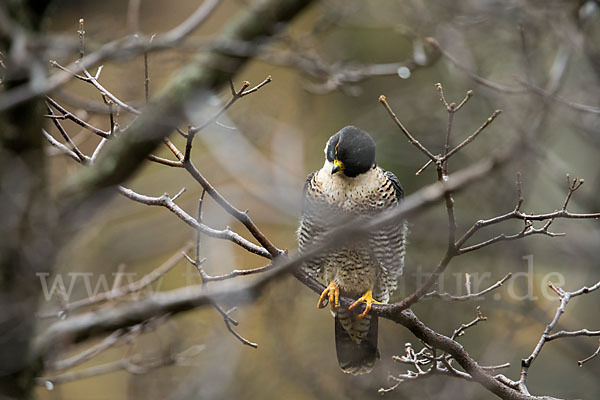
<point>360,195</point>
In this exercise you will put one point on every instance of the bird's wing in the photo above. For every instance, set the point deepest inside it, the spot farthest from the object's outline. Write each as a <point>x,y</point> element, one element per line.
<point>309,230</point>
<point>389,242</point>
<point>398,191</point>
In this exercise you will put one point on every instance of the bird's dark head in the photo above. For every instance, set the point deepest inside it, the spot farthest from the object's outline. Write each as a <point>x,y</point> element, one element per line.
<point>351,151</point>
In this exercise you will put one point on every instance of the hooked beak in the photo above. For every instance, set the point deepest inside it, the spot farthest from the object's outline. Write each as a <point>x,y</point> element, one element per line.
<point>337,166</point>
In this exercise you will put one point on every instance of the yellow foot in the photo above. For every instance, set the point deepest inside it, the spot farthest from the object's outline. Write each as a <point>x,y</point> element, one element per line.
<point>368,299</point>
<point>331,294</point>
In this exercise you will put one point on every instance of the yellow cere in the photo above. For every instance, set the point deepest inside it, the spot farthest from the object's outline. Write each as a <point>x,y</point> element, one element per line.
<point>339,164</point>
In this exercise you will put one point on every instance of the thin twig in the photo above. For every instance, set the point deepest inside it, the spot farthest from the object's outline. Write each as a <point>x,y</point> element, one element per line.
<point>74,118</point>
<point>197,260</point>
<point>94,81</point>
<point>236,95</point>
<point>520,198</point>
<point>165,161</point>
<point>81,33</point>
<point>238,272</point>
<point>464,101</point>
<point>525,84</point>
<point>563,334</point>
<point>468,296</point>
<point>528,230</point>
<point>133,16</point>
<point>111,115</point>
<point>64,149</point>
<point>473,136</point>
<point>410,137</point>
<point>595,354</point>
<point>238,336</point>
<point>88,353</point>
<point>463,327</point>
<point>471,74</point>
<point>135,365</point>
<point>572,187</point>
<point>427,164</point>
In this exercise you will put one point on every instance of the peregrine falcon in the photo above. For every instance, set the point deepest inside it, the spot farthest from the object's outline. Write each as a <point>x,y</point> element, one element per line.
<point>351,184</point>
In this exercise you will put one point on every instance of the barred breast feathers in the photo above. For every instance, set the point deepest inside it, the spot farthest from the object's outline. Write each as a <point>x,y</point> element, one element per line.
<point>369,192</point>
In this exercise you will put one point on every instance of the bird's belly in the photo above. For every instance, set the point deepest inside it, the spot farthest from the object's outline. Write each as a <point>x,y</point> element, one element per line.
<point>353,271</point>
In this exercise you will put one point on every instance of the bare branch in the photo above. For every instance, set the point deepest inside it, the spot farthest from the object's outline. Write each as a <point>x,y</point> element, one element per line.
<point>55,64</point>
<point>88,353</point>
<point>118,292</point>
<point>81,33</point>
<point>236,95</point>
<point>64,149</point>
<point>165,161</point>
<point>471,74</point>
<point>238,272</point>
<point>427,164</point>
<point>410,137</point>
<point>565,297</point>
<point>65,135</point>
<point>237,335</point>
<point>571,104</point>
<point>474,135</point>
<point>595,354</point>
<point>440,89</point>
<point>133,16</point>
<point>190,24</point>
<point>572,187</point>
<point>243,217</point>
<point>468,296</point>
<point>563,334</point>
<point>166,201</point>
<point>464,101</point>
<point>463,327</point>
<point>135,365</point>
<point>74,118</point>
<point>197,262</point>
<point>529,229</point>
<point>94,81</point>
<point>524,85</point>
<point>520,198</point>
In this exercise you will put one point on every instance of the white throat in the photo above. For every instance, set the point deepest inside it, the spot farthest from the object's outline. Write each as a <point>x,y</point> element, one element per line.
<point>343,190</point>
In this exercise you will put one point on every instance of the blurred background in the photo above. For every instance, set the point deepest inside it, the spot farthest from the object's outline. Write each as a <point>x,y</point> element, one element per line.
<point>328,69</point>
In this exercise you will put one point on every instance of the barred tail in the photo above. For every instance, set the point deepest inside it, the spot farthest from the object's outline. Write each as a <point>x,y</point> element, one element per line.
<point>356,342</point>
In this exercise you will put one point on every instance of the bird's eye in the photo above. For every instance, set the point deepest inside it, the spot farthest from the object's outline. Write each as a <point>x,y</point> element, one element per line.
<point>336,147</point>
